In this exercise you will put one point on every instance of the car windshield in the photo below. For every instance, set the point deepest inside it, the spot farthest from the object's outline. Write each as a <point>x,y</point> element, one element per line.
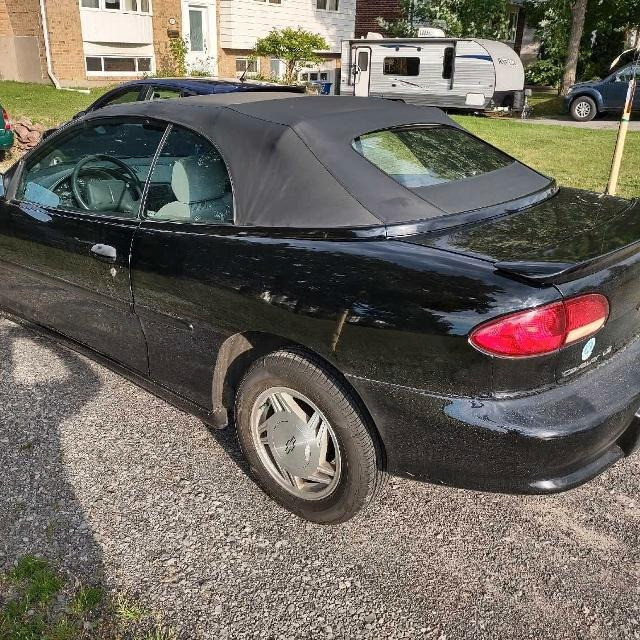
<point>423,156</point>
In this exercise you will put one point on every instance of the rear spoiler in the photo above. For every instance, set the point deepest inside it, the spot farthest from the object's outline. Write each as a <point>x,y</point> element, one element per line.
<point>546,273</point>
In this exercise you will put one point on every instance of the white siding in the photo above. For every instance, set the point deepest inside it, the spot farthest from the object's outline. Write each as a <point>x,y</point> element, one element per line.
<point>242,22</point>
<point>116,26</point>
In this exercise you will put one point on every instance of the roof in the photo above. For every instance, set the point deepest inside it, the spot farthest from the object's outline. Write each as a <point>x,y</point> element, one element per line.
<point>292,163</point>
<point>387,41</point>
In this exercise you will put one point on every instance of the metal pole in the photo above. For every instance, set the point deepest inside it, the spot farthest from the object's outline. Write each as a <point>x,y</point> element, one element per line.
<point>622,136</point>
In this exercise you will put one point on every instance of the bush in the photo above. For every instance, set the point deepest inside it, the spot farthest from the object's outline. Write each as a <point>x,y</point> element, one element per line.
<point>544,73</point>
<point>296,47</point>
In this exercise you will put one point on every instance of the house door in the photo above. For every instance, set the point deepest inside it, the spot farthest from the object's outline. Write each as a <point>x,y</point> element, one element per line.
<point>198,36</point>
<point>362,71</point>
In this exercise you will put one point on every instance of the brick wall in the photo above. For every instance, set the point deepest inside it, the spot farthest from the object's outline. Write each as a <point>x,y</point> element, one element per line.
<point>65,41</point>
<point>163,12</point>
<point>368,10</point>
<point>227,62</point>
<point>6,29</point>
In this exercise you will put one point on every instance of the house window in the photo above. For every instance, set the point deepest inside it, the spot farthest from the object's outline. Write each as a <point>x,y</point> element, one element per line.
<point>129,6</point>
<point>246,65</point>
<point>328,5</point>
<point>117,65</point>
<point>402,66</point>
<point>136,5</point>
<point>276,68</point>
<point>94,64</point>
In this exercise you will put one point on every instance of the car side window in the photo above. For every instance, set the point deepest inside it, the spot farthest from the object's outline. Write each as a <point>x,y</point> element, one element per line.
<point>98,166</point>
<point>626,74</point>
<point>190,182</point>
<point>131,95</point>
<point>162,93</point>
<point>623,76</point>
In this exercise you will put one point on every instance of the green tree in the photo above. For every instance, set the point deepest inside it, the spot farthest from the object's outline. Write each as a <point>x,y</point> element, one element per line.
<point>606,25</point>
<point>460,18</point>
<point>296,47</point>
<point>578,16</point>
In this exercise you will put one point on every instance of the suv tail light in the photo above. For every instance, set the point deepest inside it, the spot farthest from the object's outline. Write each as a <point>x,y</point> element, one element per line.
<point>543,329</point>
<point>7,120</point>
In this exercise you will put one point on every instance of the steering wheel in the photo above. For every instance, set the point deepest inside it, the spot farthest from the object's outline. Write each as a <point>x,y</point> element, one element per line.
<point>75,187</point>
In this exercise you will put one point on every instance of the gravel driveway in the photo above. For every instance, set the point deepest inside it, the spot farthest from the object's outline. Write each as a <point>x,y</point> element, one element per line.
<point>112,484</point>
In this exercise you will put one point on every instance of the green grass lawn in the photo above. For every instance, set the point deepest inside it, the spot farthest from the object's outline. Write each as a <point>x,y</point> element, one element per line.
<point>575,157</point>
<point>546,104</point>
<point>44,103</point>
<point>37,602</point>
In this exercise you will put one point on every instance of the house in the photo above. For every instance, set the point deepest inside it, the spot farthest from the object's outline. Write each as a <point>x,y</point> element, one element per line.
<point>242,22</point>
<point>84,42</point>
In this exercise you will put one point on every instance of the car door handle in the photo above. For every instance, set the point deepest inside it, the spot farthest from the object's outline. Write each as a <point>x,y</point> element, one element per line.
<point>104,252</point>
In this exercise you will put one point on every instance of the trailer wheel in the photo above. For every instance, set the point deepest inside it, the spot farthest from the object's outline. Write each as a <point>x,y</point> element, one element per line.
<point>508,101</point>
<point>583,109</point>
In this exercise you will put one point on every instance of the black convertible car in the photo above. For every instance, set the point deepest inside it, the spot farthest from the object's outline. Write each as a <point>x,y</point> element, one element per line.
<point>359,285</point>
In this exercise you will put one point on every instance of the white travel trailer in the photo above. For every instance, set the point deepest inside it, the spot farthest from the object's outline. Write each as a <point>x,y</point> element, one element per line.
<point>456,73</point>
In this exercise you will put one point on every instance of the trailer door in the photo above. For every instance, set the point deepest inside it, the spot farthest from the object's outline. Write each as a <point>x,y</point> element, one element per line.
<point>362,71</point>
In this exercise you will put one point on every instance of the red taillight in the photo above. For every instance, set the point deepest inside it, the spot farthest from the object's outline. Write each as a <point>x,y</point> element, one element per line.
<point>7,121</point>
<point>543,329</point>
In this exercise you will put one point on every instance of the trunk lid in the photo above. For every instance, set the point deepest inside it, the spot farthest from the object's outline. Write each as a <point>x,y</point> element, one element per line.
<point>578,242</point>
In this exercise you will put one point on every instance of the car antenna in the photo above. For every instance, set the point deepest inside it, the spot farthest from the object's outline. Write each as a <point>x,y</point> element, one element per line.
<point>244,73</point>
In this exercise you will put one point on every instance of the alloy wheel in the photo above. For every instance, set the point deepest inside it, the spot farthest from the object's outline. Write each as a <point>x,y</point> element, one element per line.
<point>583,109</point>
<point>296,443</point>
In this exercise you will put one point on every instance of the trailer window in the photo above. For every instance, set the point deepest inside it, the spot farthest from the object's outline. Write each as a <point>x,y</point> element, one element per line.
<point>363,60</point>
<point>401,66</point>
<point>447,63</point>
<point>428,155</point>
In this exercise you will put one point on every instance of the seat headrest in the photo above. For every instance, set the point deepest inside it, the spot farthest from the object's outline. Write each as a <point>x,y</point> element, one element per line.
<point>199,178</point>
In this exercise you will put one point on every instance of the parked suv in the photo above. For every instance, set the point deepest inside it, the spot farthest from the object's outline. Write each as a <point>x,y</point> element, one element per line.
<point>586,100</point>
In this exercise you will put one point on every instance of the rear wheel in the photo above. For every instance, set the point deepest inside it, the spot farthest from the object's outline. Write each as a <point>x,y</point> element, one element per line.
<point>306,439</point>
<point>583,109</point>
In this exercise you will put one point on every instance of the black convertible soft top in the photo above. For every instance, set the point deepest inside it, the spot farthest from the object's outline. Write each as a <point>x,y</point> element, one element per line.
<point>292,163</point>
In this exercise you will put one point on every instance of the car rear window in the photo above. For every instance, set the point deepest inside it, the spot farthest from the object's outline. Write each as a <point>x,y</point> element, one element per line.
<point>422,156</point>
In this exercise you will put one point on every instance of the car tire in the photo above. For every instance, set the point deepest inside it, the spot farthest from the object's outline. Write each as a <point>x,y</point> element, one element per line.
<point>296,419</point>
<point>583,109</point>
